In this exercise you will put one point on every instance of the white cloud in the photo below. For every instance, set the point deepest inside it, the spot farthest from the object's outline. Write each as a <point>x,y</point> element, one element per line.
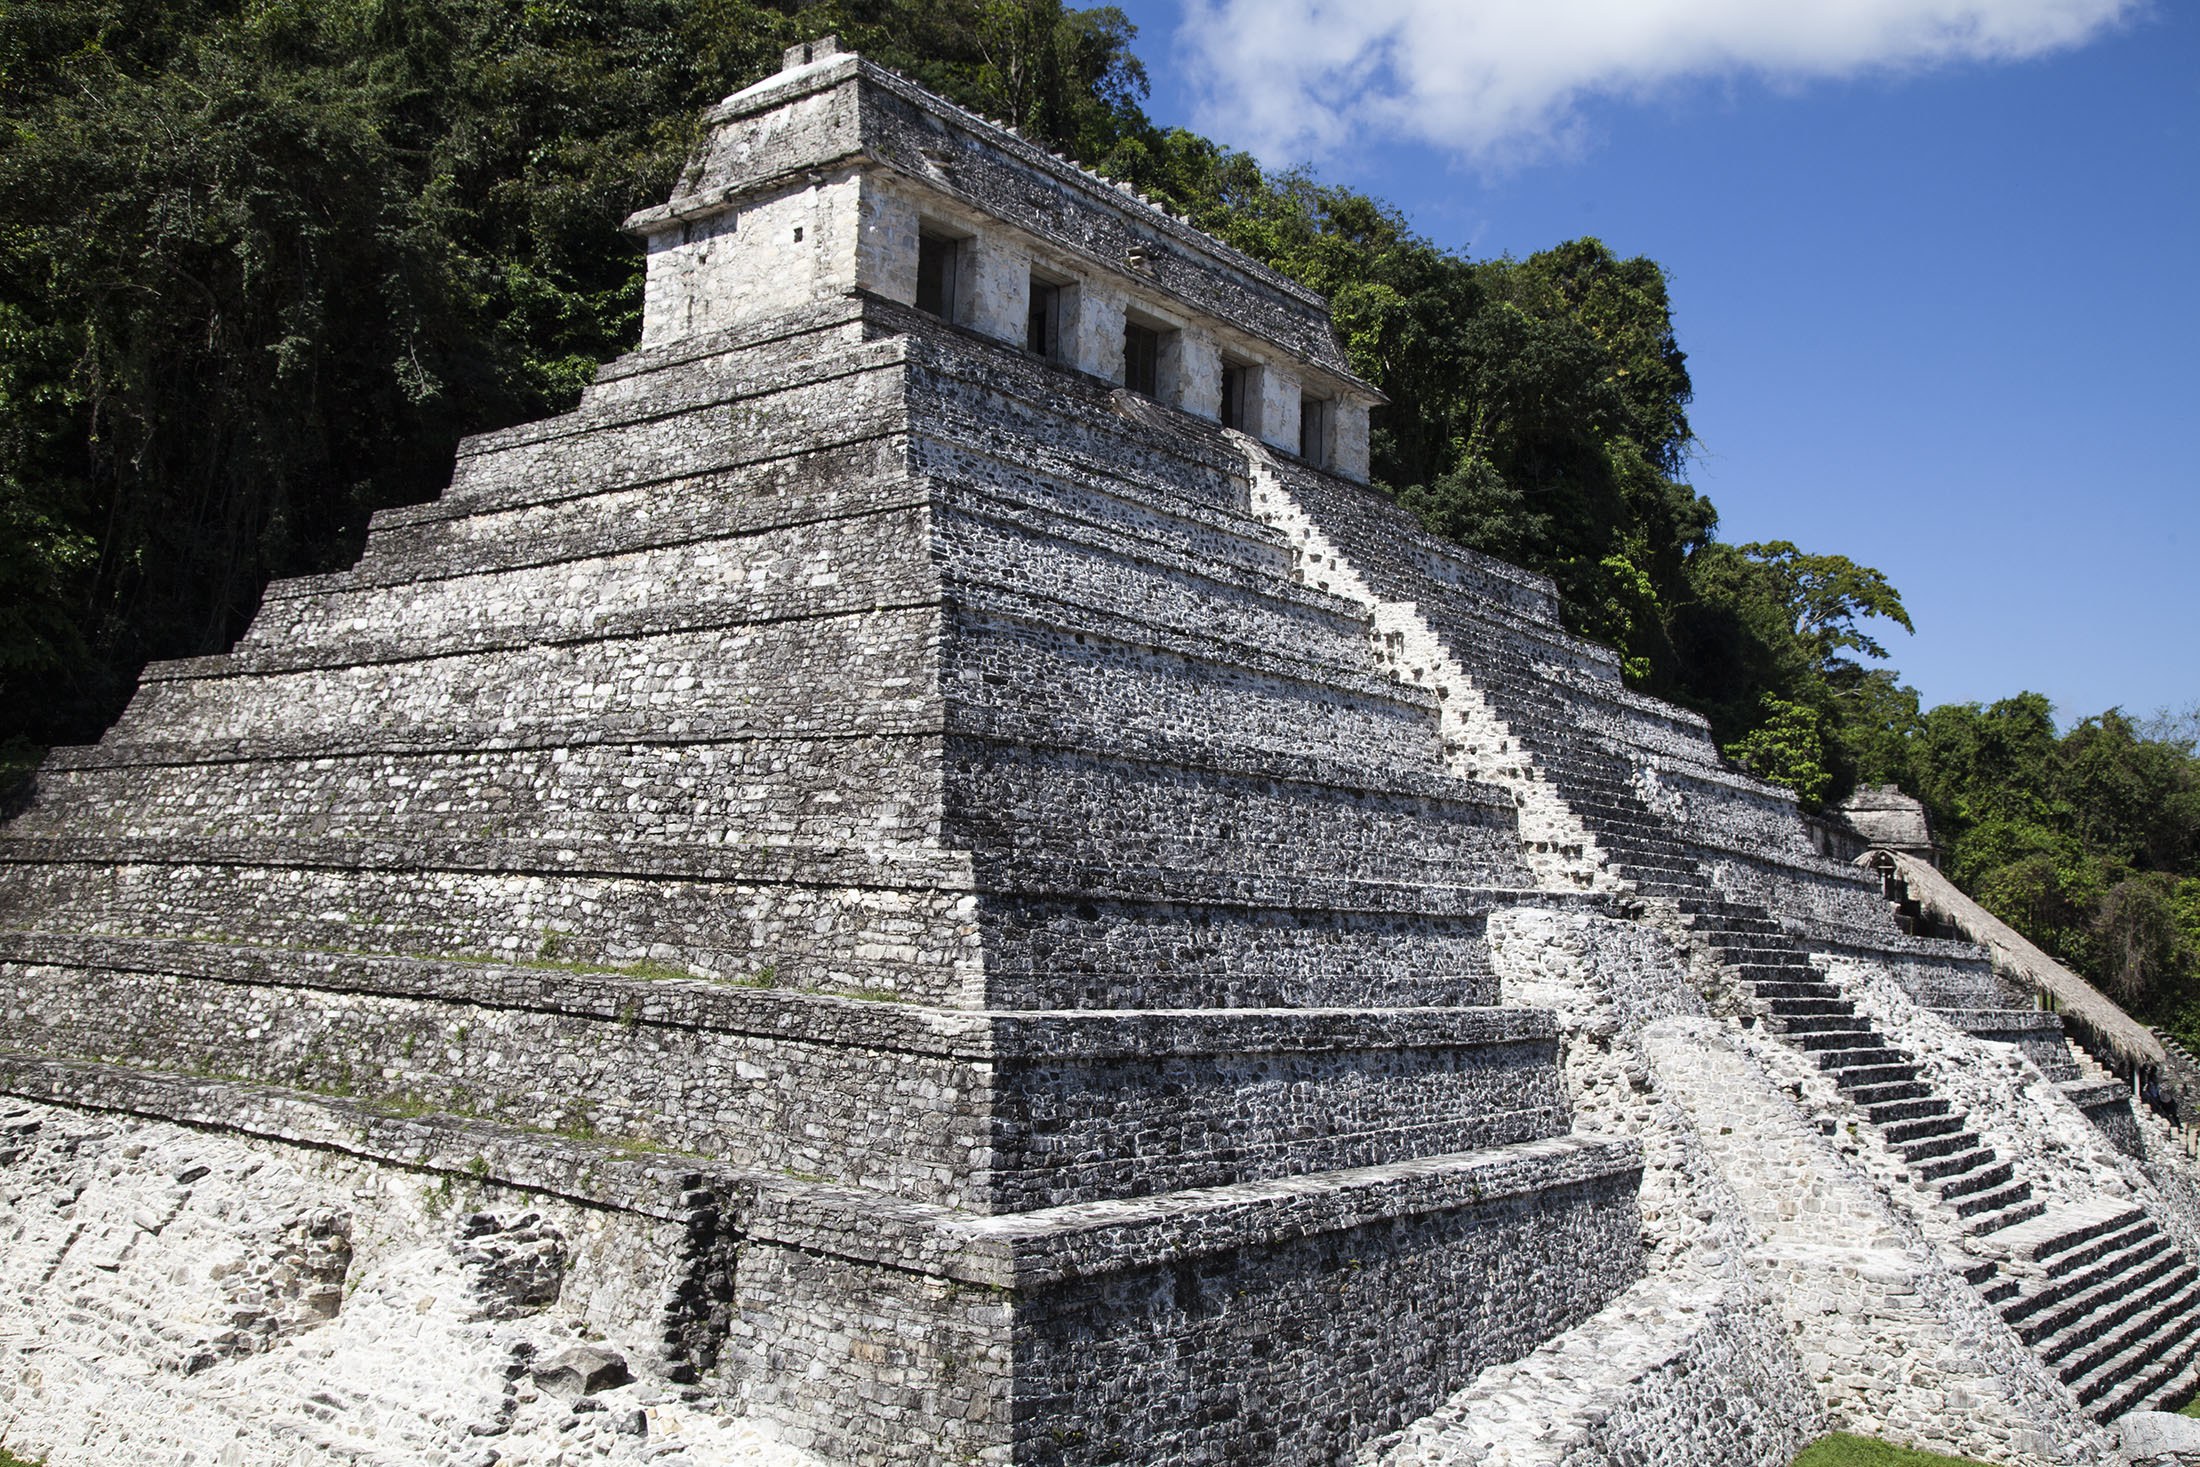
<point>1491,80</point>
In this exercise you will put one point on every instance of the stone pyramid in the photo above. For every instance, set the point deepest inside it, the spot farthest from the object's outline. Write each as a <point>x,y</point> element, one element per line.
<point>897,772</point>
<point>932,865</point>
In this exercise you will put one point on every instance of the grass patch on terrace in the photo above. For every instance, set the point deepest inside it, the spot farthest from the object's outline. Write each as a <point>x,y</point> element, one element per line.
<point>9,1459</point>
<point>1843,1450</point>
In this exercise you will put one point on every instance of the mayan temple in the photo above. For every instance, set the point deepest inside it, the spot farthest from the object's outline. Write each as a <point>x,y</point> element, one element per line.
<point>931,877</point>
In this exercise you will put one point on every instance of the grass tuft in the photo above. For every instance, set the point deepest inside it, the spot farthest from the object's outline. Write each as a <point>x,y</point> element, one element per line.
<point>1843,1450</point>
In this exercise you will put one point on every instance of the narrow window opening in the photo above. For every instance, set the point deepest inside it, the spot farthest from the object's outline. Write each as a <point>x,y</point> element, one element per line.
<point>798,234</point>
<point>1141,358</point>
<point>936,261</point>
<point>1043,331</point>
<point>1236,382</point>
<point>1314,429</point>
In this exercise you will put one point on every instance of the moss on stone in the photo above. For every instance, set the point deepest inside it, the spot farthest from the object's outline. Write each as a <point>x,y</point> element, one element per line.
<point>1843,1450</point>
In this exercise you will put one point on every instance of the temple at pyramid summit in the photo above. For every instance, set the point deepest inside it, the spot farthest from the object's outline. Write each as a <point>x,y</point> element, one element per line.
<point>931,876</point>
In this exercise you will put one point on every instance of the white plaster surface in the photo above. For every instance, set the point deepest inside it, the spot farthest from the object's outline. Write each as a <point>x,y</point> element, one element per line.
<point>238,1302</point>
<point>745,265</point>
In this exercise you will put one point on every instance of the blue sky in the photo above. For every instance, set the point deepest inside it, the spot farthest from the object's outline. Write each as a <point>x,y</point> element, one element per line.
<point>1936,265</point>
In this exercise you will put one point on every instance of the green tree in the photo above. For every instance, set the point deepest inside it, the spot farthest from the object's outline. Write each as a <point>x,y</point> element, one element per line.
<point>1772,620</point>
<point>263,261</point>
<point>2084,841</point>
<point>1787,749</point>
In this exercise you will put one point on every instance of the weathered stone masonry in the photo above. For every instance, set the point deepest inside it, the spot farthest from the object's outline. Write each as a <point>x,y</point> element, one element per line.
<point>894,773</point>
<point>933,866</point>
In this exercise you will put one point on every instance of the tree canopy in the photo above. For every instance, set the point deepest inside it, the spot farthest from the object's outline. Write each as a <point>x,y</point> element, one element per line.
<point>2087,841</point>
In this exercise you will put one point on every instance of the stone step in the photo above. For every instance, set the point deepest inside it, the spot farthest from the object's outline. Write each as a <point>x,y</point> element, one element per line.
<point>2037,1247</point>
<point>1824,1033</point>
<point>1632,827</point>
<point>1749,948</point>
<point>1868,1096</point>
<point>1681,893</point>
<point>2069,1302</point>
<point>1802,1000</point>
<point>1709,901</point>
<point>1718,934</point>
<point>1988,1222</point>
<point>1953,1142</point>
<point>1633,869</point>
<point>1709,922</point>
<point>2165,1386</point>
<point>1870,1084</point>
<point>1636,855</point>
<point>2092,1356</point>
<point>2066,1261</point>
<point>1964,1152</point>
<point>1786,980</point>
<point>1906,1108</point>
<point>1979,1204</point>
<point>1856,1059</point>
<point>1929,1128</point>
<point>1986,1175</point>
<point>1636,833</point>
<point>1762,965</point>
<point>1818,1030</point>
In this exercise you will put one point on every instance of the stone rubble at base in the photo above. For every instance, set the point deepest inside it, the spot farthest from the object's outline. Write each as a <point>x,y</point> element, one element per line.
<point>873,895</point>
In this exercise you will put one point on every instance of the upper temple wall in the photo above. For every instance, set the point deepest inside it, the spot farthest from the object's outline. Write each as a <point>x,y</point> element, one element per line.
<point>836,176</point>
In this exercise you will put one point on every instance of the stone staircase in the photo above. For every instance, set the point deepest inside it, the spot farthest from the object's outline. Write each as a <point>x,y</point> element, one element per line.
<point>1796,1002</point>
<point>2100,1293</point>
<point>2107,1300</point>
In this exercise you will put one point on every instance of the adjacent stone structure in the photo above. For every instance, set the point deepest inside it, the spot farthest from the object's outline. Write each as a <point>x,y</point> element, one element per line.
<point>932,877</point>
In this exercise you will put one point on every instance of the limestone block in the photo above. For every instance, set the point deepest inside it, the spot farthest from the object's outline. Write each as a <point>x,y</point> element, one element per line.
<point>996,275</point>
<point>1279,408</point>
<point>775,253</point>
<point>886,244</point>
<point>234,1335</point>
<point>1191,372</point>
<point>2159,1438</point>
<point>582,1370</point>
<point>512,1267</point>
<point>1348,446</point>
<point>1092,329</point>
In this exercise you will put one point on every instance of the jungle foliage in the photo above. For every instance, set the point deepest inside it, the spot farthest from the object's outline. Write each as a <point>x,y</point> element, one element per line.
<point>2087,841</point>
<point>263,261</point>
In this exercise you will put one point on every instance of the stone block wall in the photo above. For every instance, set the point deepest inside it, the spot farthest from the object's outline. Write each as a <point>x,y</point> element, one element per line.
<point>863,168</point>
<point>896,785</point>
<point>975,1115</point>
<point>1297,1351</point>
<point>795,244</point>
<point>1057,952</point>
